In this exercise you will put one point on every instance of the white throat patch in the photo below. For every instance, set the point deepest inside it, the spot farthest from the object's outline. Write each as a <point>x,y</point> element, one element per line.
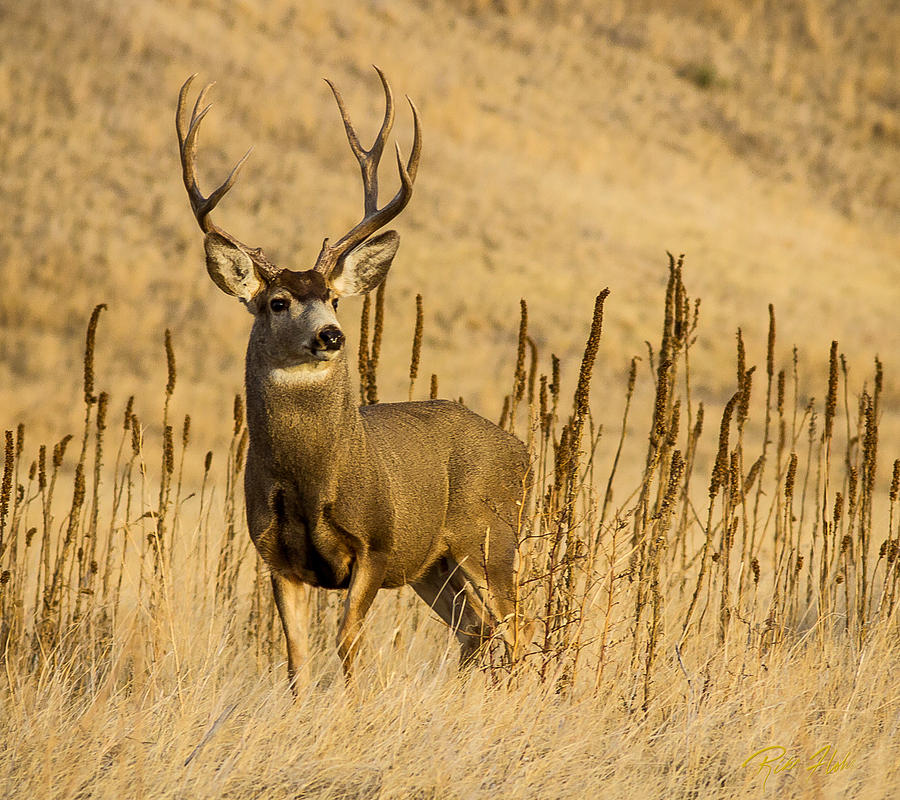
<point>307,372</point>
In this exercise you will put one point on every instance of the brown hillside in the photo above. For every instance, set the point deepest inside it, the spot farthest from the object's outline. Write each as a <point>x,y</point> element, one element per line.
<point>567,146</point>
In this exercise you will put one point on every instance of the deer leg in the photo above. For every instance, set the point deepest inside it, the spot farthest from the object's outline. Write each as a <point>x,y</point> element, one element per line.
<point>445,590</point>
<point>493,573</point>
<point>292,600</point>
<point>366,578</point>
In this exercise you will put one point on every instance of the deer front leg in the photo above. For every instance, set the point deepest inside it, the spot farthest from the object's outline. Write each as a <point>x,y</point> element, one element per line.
<point>292,600</point>
<point>366,578</point>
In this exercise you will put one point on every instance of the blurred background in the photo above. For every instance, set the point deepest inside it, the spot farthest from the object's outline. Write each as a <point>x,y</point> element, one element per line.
<point>567,146</point>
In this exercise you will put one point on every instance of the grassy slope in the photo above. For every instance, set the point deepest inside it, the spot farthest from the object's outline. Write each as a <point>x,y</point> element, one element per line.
<point>563,152</point>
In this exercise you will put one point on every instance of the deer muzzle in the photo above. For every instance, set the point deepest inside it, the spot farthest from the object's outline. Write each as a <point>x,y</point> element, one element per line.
<point>330,338</point>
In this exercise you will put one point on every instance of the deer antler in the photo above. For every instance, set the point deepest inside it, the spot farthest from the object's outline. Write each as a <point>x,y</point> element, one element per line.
<point>202,206</point>
<point>373,217</point>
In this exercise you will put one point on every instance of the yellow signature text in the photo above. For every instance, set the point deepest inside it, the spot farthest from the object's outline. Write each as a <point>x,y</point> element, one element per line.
<point>775,759</point>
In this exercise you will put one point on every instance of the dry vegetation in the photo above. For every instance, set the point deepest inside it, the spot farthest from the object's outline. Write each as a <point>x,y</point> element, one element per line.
<point>711,553</point>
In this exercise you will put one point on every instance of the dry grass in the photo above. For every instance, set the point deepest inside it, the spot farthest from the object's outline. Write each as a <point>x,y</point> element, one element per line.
<point>143,657</point>
<point>566,145</point>
<point>563,153</point>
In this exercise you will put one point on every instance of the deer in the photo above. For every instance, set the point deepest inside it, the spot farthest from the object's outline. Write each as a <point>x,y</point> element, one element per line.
<point>421,493</point>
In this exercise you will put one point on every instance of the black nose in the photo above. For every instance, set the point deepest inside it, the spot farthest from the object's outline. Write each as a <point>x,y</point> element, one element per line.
<point>331,337</point>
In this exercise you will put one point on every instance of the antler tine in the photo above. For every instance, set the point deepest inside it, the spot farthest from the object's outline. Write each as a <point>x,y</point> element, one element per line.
<point>373,217</point>
<point>388,123</point>
<point>368,159</point>
<point>345,118</point>
<point>213,200</point>
<point>188,132</point>
<point>412,166</point>
<point>180,109</point>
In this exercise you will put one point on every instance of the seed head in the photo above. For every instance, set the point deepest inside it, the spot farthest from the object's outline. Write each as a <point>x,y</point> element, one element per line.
<point>554,378</point>
<point>590,354</point>
<point>734,475</point>
<point>542,400</point>
<point>831,398</point>
<point>676,469</point>
<point>741,357</point>
<point>779,393</point>
<point>698,424</point>
<point>870,445</point>
<point>417,341</point>
<point>89,354</point>
<point>632,376</point>
<point>519,380</point>
<point>126,417</point>
<point>879,382</point>
<point>663,381</point>
<point>102,408</point>
<point>6,485</point>
<point>78,494</point>
<point>135,435</point>
<point>59,450</point>
<point>170,364</point>
<point>838,508</point>
<point>675,420</point>
<point>532,369</point>
<point>791,475</point>
<point>720,468</point>
<point>168,451</point>
<point>745,388</point>
<point>238,413</point>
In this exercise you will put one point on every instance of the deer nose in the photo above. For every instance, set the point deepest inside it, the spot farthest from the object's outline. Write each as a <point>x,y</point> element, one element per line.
<point>331,337</point>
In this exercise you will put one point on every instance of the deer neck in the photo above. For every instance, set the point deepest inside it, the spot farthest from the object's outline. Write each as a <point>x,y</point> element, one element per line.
<point>303,424</point>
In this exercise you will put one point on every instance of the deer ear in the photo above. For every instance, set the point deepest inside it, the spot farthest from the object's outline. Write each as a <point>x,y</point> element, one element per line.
<point>230,267</point>
<point>365,266</point>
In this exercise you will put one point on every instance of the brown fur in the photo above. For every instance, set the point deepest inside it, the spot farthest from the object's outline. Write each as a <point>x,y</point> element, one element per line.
<point>427,494</point>
<point>418,487</point>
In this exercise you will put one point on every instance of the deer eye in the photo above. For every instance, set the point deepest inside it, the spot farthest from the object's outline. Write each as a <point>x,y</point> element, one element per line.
<point>278,304</point>
<point>334,302</point>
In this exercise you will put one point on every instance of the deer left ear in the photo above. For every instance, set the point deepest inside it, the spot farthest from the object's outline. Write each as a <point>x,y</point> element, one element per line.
<point>364,267</point>
<point>231,268</point>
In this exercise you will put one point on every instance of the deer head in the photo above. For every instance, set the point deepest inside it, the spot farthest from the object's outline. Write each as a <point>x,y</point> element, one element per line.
<point>295,320</point>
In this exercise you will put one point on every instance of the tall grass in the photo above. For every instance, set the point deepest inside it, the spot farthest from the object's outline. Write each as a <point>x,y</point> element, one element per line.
<point>742,547</point>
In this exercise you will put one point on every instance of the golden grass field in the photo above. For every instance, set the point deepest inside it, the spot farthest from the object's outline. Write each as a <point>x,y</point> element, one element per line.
<point>567,146</point>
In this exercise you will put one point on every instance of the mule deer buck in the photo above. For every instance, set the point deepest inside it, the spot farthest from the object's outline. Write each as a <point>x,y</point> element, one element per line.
<point>421,493</point>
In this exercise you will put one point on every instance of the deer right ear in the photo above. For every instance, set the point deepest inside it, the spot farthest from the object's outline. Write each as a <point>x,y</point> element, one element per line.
<point>366,265</point>
<point>231,268</point>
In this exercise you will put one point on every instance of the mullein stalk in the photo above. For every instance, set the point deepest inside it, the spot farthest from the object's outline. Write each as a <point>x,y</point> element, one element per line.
<point>416,354</point>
